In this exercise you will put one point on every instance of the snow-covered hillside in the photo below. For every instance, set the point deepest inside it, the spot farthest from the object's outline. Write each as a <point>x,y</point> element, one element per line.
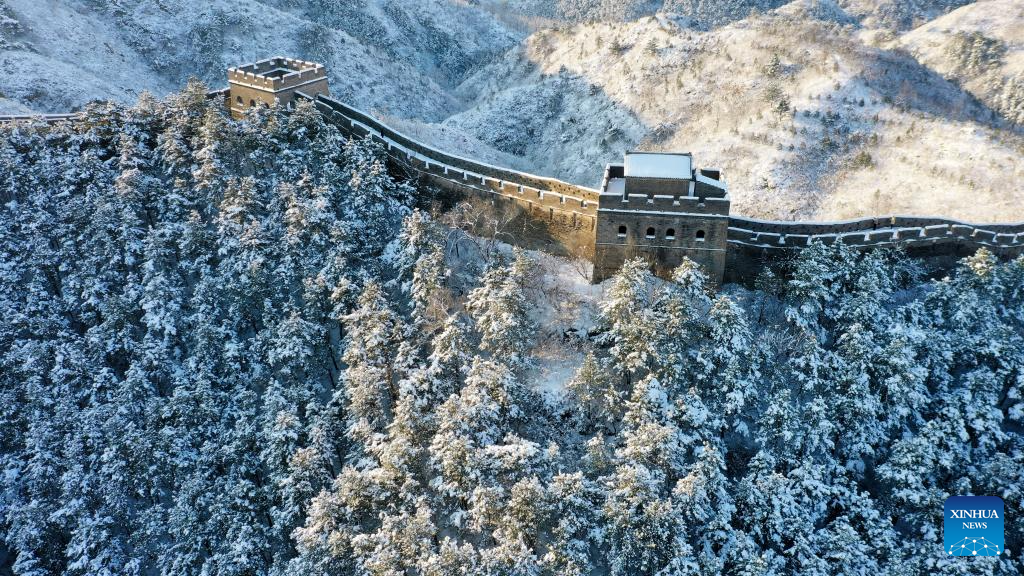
<point>806,118</point>
<point>813,108</point>
<point>705,14</point>
<point>397,56</point>
<point>898,14</point>
<point>981,46</point>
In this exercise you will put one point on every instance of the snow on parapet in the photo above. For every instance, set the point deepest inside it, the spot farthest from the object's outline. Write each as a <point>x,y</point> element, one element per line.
<point>277,73</point>
<point>665,175</point>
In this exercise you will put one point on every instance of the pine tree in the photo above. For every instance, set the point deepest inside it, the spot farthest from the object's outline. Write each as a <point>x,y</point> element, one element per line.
<point>373,330</point>
<point>575,500</point>
<point>703,501</point>
<point>501,310</point>
<point>631,330</point>
<point>596,393</point>
<point>374,202</point>
<point>225,357</point>
<point>427,290</point>
<point>640,522</point>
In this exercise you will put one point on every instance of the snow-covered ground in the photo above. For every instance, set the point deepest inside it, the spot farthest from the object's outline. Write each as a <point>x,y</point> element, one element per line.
<point>398,56</point>
<point>564,306</point>
<point>955,45</point>
<point>867,131</point>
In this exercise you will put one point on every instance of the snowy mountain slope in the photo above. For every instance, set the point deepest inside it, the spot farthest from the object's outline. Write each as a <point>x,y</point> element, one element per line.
<point>980,46</point>
<point>559,122</point>
<point>834,128</point>
<point>392,55</point>
<point>57,57</point>
<point>708,14</point>
<point>899,14</point>
<point>810,111</point>
<point>445,137</point>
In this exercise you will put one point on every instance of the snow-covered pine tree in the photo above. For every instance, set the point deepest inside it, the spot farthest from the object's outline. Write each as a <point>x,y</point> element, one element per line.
<point>373,333</point>
<point>500,308</point>
<point>598,395</point>
<point>628,317</point>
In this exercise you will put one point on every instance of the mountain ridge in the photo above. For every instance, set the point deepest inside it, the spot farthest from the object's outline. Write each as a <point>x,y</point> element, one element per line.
<point>814,109</point>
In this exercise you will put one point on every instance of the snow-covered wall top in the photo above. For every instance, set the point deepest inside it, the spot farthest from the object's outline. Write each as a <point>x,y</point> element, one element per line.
<point>912,231</point>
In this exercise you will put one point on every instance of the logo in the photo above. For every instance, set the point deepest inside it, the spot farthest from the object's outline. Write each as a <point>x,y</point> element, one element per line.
<point>973,526</point>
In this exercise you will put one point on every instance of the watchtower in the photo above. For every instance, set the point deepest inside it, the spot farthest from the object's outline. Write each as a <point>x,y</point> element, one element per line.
<point>659,207</point>
<point>273,81</point>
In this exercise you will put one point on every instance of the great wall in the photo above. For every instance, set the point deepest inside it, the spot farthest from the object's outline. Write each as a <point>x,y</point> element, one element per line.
<point>605,225</point>
<point>750,243</point>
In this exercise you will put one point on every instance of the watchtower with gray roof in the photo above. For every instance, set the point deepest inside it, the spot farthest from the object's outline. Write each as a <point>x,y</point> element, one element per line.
<point>658,206</point>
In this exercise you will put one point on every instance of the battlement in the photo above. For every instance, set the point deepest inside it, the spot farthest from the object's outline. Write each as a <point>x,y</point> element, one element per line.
<point>277,73</point>
<point>273,81</point>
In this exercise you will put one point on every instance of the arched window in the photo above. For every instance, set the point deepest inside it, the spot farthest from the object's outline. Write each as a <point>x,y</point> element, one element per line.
<point>252,102</point>
<point>650,232</point>
<point>700,235</point>
<point>238,99</point>
<point>670,234</point>
<point>622,231</point>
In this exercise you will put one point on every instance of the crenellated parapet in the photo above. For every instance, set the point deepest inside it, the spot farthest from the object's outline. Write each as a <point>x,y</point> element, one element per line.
<point>939,242</point>
<point>277,73</point>
<point>273,81</point>
<point>888,230</point>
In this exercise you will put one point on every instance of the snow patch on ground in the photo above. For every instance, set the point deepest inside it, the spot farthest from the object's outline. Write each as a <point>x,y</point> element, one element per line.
<point>564,306</point>
<point>566,310</point>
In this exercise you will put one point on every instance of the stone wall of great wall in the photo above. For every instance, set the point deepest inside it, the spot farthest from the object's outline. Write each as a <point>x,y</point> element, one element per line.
<point>542,213</point>
<point>939,242</point>
<point>563,218</point>
<point>751,243</point>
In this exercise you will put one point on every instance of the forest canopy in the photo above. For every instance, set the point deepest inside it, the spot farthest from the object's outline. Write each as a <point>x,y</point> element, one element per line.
<point>241,348</point>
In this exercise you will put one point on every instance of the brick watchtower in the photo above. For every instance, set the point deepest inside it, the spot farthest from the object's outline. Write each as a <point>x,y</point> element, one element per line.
<point>273,81</point>
<point>659,207</point>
